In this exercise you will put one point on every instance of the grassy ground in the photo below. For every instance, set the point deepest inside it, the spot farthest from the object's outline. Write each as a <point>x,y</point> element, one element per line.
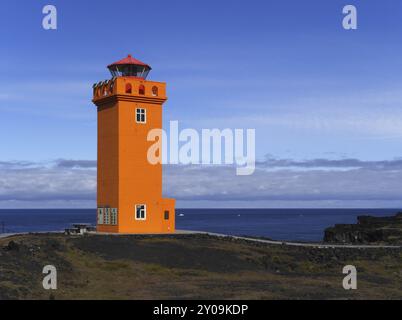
<point>190,267</point>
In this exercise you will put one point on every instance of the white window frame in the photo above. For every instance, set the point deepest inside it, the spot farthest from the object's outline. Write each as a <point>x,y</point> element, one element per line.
<point>106,217</point>
<point>145,212</point>
<point>101,216</point>
<point>113,216</point>
<point>138,111</point>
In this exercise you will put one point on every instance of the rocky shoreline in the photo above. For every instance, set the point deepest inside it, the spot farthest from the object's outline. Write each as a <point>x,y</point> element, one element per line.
<point>368,230</point>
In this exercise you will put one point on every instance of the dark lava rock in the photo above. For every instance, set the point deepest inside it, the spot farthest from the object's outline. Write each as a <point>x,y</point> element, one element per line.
<point>368,230</point>
<point>12,246</point>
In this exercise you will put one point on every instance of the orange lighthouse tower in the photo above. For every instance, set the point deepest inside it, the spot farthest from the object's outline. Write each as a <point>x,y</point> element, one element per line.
<point>129,192</point>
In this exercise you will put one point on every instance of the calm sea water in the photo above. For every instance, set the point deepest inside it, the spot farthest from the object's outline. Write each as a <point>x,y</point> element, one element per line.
<point>279,224</point>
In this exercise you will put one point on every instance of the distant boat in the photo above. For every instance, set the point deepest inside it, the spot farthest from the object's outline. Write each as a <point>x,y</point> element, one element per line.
<point>181,215</point>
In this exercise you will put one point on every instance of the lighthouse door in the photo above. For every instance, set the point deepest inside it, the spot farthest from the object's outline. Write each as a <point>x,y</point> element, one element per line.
<point>166,223</point>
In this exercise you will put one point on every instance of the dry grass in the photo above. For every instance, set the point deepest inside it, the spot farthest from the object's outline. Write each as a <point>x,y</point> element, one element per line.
<point>191,267</point>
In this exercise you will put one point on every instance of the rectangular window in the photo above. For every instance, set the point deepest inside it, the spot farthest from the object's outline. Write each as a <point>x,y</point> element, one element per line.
<point>166,215</point>
<point>100,215</point>
<point>106,218</point>
<point>113,217</point>
<point>140,212</point>
<point>140,115</point>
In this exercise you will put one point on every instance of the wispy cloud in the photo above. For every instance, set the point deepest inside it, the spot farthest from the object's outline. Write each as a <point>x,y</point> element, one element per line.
<point>42,182</point>
<point>57,99</point>
<point>384,165</point>
<point>74,164</point>
<point>371,182</point>
<point>316,181</point>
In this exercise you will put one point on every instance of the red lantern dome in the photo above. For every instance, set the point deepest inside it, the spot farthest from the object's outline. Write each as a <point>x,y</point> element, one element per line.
<point>129,67</point>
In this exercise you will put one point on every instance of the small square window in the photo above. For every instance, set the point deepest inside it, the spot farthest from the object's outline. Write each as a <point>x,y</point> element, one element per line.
<point>140,212</point>
<point>166,215</point>
<point>140,115</point>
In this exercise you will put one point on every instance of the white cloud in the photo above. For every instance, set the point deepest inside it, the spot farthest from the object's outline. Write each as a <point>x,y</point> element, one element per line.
<point>276,182</point>
<point>366,114</point>
<point>45,182</point>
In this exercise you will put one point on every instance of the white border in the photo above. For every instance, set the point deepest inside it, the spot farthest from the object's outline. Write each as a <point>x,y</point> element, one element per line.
<point>145,114</point>
<point>145,212</point>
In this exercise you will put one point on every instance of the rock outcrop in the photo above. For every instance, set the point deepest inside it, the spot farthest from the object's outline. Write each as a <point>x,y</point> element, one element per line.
<point>367,230</point>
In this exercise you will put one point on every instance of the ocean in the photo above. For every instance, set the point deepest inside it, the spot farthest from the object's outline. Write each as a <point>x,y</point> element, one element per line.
<point>278,224</point>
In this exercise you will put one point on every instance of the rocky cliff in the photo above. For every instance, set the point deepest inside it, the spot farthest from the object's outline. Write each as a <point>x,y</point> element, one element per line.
<point>367,230</point>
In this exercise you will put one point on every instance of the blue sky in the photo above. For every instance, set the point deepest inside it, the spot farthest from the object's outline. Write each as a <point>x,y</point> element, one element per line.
<point>311,89</point>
